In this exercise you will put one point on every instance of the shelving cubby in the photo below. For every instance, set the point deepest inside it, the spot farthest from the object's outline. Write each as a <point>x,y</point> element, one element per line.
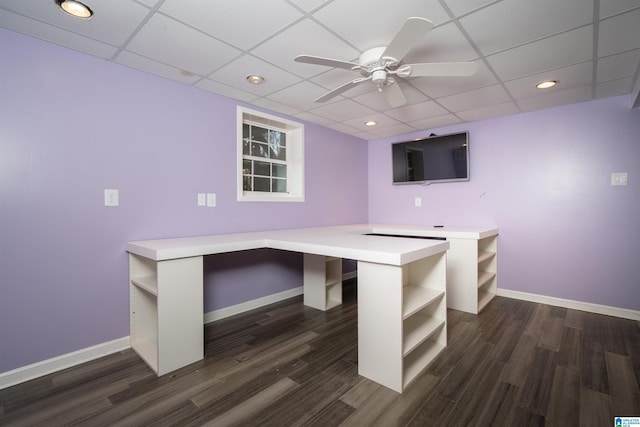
<point>166,311</point>
<point>401,319</point>
<point>322,281</point>
<point>487,270</point>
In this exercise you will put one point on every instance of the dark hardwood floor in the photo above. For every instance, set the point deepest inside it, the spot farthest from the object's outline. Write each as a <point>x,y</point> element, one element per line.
<point>516,364</point>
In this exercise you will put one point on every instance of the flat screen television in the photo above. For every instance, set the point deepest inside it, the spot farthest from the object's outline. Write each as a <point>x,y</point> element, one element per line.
<point>438,158</point>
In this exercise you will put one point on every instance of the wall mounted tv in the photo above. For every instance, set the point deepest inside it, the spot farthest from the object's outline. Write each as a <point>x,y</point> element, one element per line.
<point>439,158</point>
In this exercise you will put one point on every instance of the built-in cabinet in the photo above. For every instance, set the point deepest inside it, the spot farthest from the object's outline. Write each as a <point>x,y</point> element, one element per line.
<point>402,317</point>
<point>322,281</point>
<point>166,311</point>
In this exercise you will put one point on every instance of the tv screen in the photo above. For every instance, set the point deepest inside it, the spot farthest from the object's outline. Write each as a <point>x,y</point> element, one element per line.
<point>441,158</point>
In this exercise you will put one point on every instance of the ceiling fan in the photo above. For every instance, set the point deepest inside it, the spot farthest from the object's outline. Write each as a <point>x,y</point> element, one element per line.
<point>383,65</point>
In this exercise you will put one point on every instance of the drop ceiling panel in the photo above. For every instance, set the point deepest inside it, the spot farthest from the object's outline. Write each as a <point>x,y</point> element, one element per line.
<point>342,110</point>
<point>366,25</point>
<point>308,5</point>
<point>613,7</point>
<point>50,33</point>
<point>411,113</point>
<point>284,47</point>
<point>554,99</point>
<point>112,22</point>
<point>487,112</point>
<point>234,74</point>
<point>433,122</point>
<point>568,78</point>
<point>547,54</point>
<point>524,21</point>
<point>168,41</point>
<point>224,90</point>
<point>460,7</point>
<point>291,95</point>
<point>242,23</point>
<point>516,43</point>
<point>618,66</point>
<point>619,34</point>
<point>381,120</point>
<point>613,88</point>
<point>469,100</point>
<point>437,87</point>
<point>150,66</point>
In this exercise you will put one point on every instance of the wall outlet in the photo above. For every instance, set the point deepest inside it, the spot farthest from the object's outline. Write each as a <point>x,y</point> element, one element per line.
<point>202,199</point>
<point>619,178</point>
<point>418,202</point>
<point>111,197</point>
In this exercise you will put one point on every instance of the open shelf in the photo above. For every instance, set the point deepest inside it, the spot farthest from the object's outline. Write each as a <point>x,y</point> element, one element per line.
<point>419,328</point>
<point>422,356</point>
<point>484,277</point>
<point>322,281</point>
<point>148,283</point>
<point>485,255</point>
<point>415,298</point>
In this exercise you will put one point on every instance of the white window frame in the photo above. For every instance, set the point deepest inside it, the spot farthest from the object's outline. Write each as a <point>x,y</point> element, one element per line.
<point>295,157</point>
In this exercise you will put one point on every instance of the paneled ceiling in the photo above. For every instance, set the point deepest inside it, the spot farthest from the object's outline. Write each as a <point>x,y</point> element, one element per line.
<point>591,47</point>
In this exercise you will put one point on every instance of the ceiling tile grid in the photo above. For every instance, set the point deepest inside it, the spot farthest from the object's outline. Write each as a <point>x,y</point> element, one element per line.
<point>591,47</point>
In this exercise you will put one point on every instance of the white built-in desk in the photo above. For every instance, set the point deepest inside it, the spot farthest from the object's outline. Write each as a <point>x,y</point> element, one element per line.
<point>401,293</point>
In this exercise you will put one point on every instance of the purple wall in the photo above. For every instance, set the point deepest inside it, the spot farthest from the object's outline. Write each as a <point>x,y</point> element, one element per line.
<point>543,178</point>
<point>63,268</point>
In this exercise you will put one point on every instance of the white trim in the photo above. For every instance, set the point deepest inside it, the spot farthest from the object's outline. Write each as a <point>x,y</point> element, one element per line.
<point>64,361</point>
<point>225,312</point>
<point>576,305</point>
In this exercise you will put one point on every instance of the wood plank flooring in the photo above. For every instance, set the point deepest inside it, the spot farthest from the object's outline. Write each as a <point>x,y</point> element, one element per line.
<point>516,364</point>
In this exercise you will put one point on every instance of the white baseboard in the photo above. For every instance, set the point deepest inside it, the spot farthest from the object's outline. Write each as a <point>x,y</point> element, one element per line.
<point>576,305</point>
<point>55,364</point>
<point>64,361</point>
<point>222,313</point>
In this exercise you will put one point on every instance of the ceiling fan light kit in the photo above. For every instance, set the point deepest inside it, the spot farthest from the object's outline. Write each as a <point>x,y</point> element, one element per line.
<point>382,64</point>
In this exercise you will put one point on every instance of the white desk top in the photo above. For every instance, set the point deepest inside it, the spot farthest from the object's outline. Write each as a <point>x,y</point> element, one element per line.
<point>345,241</point>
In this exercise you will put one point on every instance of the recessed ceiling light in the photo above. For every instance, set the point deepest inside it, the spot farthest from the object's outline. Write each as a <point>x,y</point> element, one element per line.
<point>370,123</point>
<point>547,84</point>
<point>75,8</point>
<point>255,79</point>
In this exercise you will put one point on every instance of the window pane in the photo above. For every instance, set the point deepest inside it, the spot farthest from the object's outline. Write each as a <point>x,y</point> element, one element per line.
<point>259,150</point>
<point>277,145</point>
<point>246,183</point>
<point>262,168</point>
<point>261,184</point>
<point>279,185</point>
<point>259,134</point>
<point>279,170</point>
<point>246,167</point>
<point>246,147</point>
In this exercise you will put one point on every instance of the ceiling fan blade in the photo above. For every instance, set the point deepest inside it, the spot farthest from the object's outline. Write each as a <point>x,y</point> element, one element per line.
<point>317,60</point>
<point>411,33</point>
<point>442,69</point>
<point>337,91</point>
<point>394,95</point>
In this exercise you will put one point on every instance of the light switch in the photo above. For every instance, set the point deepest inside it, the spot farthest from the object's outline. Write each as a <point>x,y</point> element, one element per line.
<point>202,199</point>
<point>418,202</point>
<point>111,197</point>
<point>619,178</point>
<point>211,200</point>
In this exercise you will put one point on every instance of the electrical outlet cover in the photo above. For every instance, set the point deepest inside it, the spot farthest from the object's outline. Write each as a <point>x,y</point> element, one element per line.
<point>111,197</point>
